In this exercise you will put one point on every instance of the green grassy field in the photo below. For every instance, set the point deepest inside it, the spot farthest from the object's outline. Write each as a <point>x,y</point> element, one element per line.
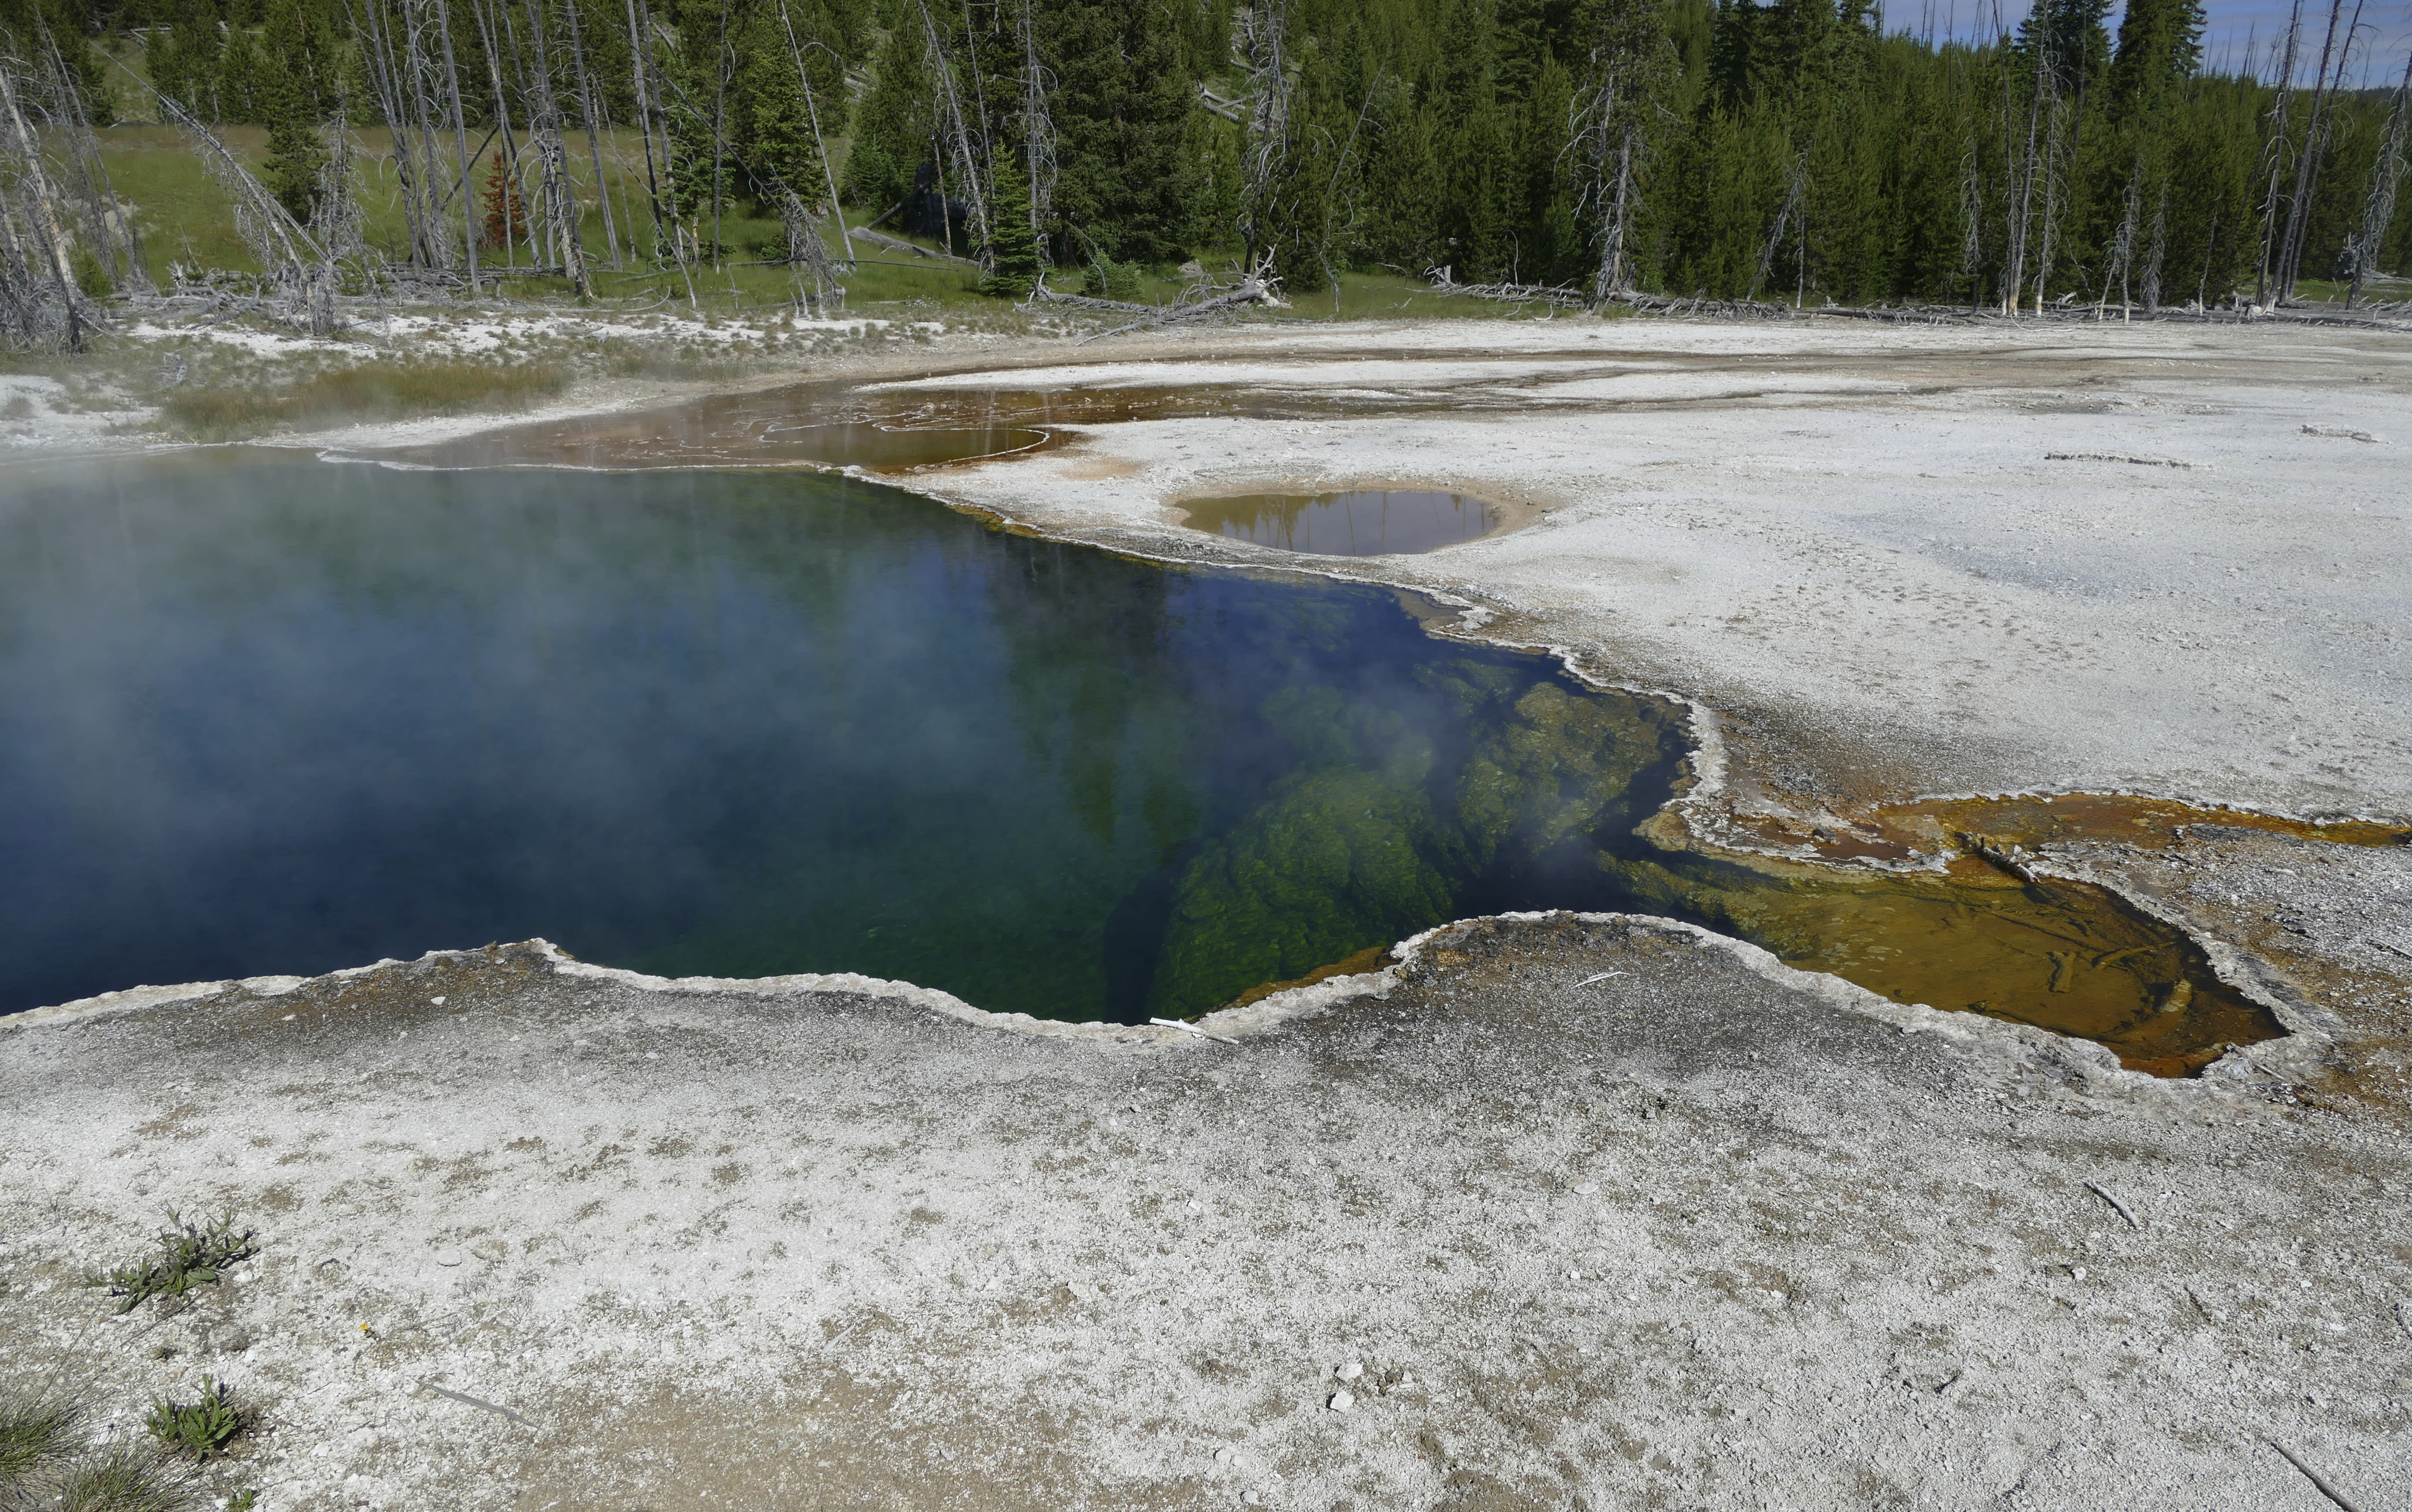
<point>184,216</point>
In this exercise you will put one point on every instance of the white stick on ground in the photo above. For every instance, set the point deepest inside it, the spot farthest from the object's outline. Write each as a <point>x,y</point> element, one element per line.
<point>2099,1191</point>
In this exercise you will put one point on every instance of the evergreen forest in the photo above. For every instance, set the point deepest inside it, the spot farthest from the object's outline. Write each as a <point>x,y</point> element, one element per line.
<point>1794,153</point>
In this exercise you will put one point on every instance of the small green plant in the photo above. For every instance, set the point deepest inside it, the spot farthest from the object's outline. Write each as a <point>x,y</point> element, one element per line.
<point>123,1477</point>
<point>198,1430</point>
<point>189,1253</point>
<point>1112,280</point>
<point>90,277</point>
<point>245,1500</point>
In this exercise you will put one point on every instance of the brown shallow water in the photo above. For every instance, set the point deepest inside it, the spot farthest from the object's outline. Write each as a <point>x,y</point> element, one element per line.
<point>2063,956</point>
<point>1352,523</point>
<point>878,429</point>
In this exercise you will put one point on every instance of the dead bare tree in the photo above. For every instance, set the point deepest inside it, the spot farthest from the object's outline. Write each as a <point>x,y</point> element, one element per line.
<point>300,269</point>
<point>1972,228</point>
<point>1793,195</point>
<point>461,140</point>
<point>42,304</point>
<point>1628,67</point>
<point>2378,208</point>
<point>2276,149</point>
<point>2160,247</point>
<point>2018,171</point>
<point>809,265</point>
<point>957,139</point>
<point>390,49</point>
<point>587,112</point>
<point>820,143</point>
<point>2123,245</point>
<point>556,202</point>
<point>1037,132</point>
<point>1259,285</point>
<point>1258,40</point>
<point>2327,84</point>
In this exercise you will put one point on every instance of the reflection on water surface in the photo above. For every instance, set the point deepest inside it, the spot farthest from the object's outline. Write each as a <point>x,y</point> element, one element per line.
<point>1356,522</point>
<point>273,716</point>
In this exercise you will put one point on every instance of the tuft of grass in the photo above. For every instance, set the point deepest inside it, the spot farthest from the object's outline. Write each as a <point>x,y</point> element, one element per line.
<point>196,1429</point>
<point>123,1477</point>
<point>370,390</point>
<point>189,1253</point>
<point>37,1433</point>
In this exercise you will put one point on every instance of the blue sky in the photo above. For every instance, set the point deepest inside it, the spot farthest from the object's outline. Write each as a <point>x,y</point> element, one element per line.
<point>2386,29</point>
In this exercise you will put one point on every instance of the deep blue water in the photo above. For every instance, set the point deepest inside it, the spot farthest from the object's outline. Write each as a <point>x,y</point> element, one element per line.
<point>262,713</point>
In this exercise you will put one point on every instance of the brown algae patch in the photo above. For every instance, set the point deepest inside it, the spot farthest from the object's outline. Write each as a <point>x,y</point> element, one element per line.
<point>2066,956</point>
<point>1364,522</point>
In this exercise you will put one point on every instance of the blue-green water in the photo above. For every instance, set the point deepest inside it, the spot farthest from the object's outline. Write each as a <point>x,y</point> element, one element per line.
<point>263,714</point>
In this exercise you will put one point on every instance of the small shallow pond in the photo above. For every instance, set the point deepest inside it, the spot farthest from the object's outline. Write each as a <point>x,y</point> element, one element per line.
<point>1356,522</point>
<point>268,714</point>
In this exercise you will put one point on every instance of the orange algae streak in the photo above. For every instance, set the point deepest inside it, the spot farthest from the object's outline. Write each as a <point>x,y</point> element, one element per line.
<point>2136,821</point>
<point>2060,955</point>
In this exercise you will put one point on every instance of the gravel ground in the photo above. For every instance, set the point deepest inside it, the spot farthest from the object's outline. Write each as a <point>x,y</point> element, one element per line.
<point>1586,1211</point>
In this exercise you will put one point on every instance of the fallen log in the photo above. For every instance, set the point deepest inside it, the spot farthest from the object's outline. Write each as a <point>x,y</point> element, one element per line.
<point>1259,287</point>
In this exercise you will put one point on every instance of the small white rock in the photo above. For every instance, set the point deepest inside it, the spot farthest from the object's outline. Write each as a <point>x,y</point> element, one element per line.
<point>2078,1272</point>
<point>435,1000</point>
<point>1348,1371</point>
<point>1223,1454</point>
<point>1585,1189</point>
<point>1343,1402</point>
<point>1251,1499</point>
<point>447,1256</point>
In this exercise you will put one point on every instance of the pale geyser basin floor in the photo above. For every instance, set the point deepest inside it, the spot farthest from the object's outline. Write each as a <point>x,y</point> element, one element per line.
<point>1894,560</point>
<point>1611,1211</point>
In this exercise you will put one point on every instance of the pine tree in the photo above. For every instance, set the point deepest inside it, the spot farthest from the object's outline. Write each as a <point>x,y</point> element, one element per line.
<point>1483,189</point>
<point>894,126</point>
<point>770,127</point>
<point>284,95</point>
<point>2160,46</point>
<point>1013,240</point>
<point>506,209</point>
<point>1126,185</point>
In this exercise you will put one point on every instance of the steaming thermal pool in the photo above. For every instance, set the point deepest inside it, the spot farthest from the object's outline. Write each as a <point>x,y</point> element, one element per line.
<point>277,716</point>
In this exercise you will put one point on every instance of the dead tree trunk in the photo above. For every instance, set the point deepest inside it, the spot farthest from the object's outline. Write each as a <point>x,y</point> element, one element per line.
<point>2280,113</point>
<point>42,270</point>
<point>1259,37</point>
<point>586,113</point>
<point>820,143</point>
<point>1792,197</point>
<point>1038,134</point>
<point>2307,162</point>
<point>2378,210</point>
<point>461,139</point>
<point>559,206</point>
<point>956,134</point>
<point>508,164</point>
